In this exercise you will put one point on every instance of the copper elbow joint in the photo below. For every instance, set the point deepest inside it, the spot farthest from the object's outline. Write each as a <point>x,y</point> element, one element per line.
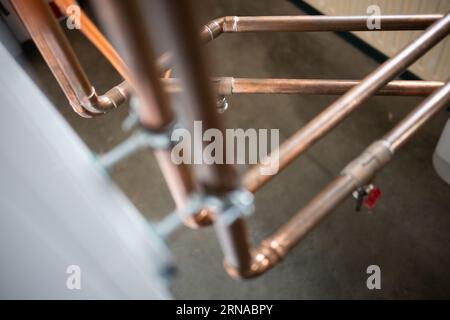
<point>111,99</point>
<point>212,29</point>
<point>269,254</point>
<point>95,105</point>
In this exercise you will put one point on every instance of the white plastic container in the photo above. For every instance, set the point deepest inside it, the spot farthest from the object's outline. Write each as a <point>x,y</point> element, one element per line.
<point>441,157</point>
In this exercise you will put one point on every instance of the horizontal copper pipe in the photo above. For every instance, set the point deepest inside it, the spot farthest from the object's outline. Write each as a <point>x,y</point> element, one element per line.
<point>233,24</point>
<point>349,102</point>
<point>60,57</point>
<point>329,87</point>
<point>230,85</point>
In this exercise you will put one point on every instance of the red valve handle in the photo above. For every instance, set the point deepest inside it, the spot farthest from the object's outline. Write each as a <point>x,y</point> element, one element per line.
<point>372,198</point>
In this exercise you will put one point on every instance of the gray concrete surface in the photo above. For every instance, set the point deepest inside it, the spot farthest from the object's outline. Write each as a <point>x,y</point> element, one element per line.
<point>408,235</point>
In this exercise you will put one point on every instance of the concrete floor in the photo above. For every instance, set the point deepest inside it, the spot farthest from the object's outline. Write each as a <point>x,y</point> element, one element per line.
<point>408,235</point>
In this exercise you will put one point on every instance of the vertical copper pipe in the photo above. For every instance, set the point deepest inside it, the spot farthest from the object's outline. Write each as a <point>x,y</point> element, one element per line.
<point>198,99</point>
<point>215,179</point>
<point>174,18</point>
<point>341,108</point>
<point>124,21</point>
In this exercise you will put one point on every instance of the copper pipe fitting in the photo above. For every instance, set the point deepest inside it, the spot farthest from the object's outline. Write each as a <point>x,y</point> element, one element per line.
<point>212,30</point>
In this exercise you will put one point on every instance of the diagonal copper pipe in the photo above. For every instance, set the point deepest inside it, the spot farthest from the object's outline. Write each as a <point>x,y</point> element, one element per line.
<point>349,102</point>
<point>57,52</point>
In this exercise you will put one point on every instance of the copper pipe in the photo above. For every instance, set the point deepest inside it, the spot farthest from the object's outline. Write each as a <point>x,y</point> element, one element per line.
<point>230,85</point>
<point>57,52</point>
<point>125,24</point>
<point>197,101</point>
<point>358,173</point>
<point>326,87</point>
<point>232,24</point>
<point>349,102</point>
<point>327,23</point>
